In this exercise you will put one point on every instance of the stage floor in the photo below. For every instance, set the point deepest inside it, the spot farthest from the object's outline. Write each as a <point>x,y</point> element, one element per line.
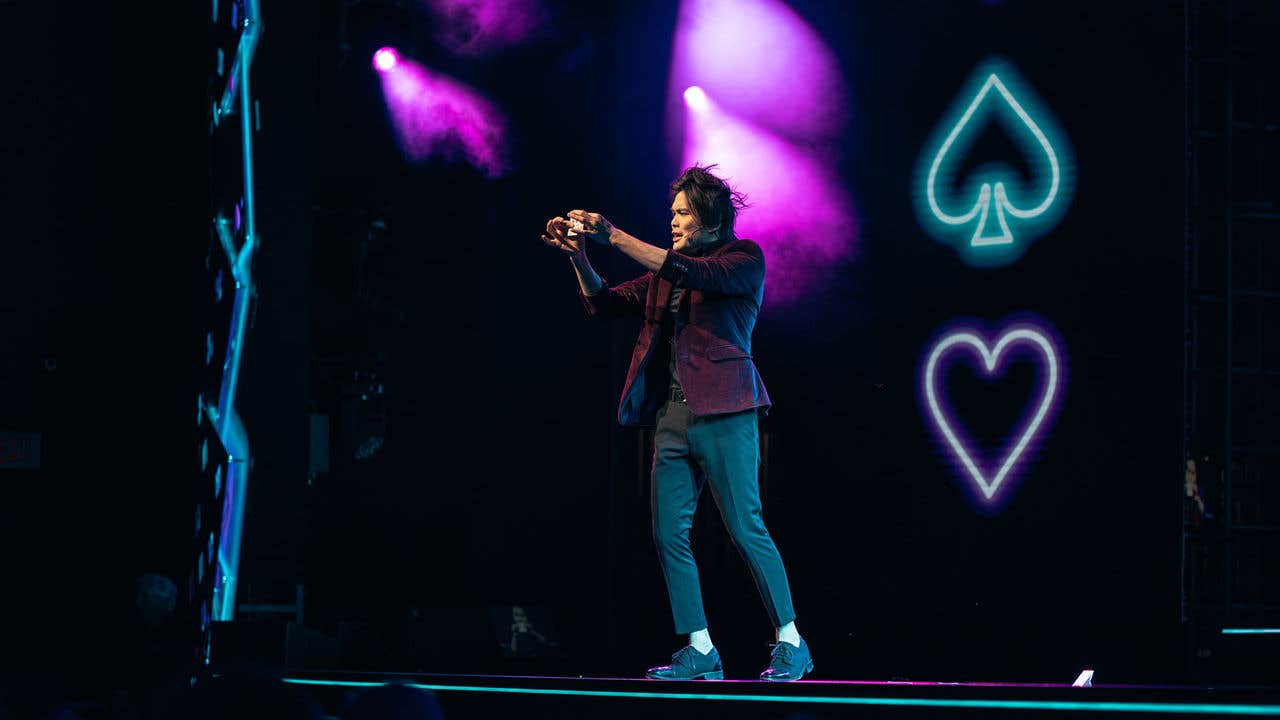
<point>542,696</point>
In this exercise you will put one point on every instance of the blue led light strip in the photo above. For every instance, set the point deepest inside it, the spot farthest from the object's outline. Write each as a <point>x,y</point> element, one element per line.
<point>1251,631</point>
<point>1079,706</point>
<point>227,421</point>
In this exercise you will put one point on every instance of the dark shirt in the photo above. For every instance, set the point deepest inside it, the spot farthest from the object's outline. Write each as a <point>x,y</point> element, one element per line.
<point>669,327</point>
<point>724,291</point>
<point>673,320</point>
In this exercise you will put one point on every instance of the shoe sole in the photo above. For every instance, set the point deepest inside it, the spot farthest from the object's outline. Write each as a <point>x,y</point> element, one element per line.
<point>713,675</point>
<point>808,669</point>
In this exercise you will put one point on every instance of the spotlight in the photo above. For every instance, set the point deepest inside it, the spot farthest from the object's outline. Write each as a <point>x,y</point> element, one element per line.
<point>386,59</point>
<point>695,97</point>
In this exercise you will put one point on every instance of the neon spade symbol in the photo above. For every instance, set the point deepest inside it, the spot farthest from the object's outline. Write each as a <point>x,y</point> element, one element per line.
<point>994,227</point>
<point>959,341</point>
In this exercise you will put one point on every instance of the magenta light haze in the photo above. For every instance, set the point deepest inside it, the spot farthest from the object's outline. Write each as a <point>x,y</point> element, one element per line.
<point>798,212</point>
<point>764,100</point>
<point>480,27</point>
<point>760,61</point>
<point>435,115</point>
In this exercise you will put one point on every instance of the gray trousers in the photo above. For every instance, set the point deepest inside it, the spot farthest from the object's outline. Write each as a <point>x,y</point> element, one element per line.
<point>724,451</point>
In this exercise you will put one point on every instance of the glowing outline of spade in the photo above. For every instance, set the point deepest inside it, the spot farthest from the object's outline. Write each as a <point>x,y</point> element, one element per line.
<point>983,205</point>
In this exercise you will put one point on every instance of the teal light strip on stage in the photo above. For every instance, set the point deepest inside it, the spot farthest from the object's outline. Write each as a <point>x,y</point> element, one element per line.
<point>1078,706</point>
<point>1251,631</point>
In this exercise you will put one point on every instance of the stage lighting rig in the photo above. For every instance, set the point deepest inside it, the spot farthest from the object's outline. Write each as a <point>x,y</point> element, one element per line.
<point>386,59</point>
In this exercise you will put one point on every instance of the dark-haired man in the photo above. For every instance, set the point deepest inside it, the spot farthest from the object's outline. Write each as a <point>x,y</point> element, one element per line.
<point>692,375</point>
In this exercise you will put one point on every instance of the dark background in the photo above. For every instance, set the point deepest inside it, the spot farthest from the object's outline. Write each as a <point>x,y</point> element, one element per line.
<point>503,478</point>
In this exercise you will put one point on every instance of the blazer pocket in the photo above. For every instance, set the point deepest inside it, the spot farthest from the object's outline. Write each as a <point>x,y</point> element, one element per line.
<point>726,352</point>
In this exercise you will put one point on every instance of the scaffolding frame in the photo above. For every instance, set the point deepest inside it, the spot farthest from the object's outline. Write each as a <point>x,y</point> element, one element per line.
<point>1230,371</point>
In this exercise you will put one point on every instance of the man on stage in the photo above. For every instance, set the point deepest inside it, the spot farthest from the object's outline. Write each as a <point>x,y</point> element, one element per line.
<point>692,375</point>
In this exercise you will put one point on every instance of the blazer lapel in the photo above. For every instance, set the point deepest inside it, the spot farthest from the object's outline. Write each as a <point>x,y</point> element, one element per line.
<point>662,298</point>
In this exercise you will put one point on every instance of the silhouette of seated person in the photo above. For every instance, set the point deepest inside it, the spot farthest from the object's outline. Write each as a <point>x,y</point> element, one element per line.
<point>526,641</point>
<point>1195,508</point>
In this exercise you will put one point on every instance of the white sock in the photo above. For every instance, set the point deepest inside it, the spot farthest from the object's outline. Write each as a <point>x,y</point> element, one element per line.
<point>788,634</point>
<point>701,641</point>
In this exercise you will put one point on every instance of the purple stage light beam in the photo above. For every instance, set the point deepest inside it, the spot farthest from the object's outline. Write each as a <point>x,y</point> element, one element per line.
<point>765,100</point>
<point>798,210</point>
<point>1038,338</point>
<point>437,116</point>
<point>761,62</point>
<point>482,27</point>
<point>385,59</point>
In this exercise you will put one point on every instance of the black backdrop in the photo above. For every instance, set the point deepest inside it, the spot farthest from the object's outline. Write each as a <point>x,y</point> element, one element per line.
<point>503,479</point>
<point>493,485</point>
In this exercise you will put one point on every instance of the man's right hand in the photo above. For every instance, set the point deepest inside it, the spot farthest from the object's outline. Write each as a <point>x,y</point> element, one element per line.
<point>575,246</point>
<point>557,236</point>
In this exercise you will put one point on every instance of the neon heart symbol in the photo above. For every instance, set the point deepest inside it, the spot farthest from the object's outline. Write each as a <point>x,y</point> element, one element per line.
<point>990,359</point>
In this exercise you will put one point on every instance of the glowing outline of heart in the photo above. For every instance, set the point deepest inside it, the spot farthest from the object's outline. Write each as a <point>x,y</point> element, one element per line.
<point>989,358</point>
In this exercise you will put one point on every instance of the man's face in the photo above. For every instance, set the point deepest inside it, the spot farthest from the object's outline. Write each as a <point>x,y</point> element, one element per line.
<point>686,231</point>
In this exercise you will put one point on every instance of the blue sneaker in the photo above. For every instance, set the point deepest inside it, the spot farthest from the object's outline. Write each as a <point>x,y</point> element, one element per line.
<point>788,662</point>
<point>689,664</point>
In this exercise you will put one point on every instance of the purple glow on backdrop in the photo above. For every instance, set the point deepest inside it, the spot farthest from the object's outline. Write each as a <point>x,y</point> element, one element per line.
<point>769,111</point>
<point>1039,342</point>
<point>478,27</point>
<point>798,211</point>
<point>385,59</point>
<point>437,116</point>
<point>760,61</point>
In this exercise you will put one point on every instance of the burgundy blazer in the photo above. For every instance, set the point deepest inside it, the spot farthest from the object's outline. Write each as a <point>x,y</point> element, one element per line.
<point>723,290</point>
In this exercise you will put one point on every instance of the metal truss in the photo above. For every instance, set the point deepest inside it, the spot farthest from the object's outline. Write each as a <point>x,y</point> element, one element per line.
<point>1231,319</point>
<point>233,243</point>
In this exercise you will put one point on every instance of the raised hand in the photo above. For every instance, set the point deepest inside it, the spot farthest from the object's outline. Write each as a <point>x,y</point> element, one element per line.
<point>559,236</point>
<point>595,226</point>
